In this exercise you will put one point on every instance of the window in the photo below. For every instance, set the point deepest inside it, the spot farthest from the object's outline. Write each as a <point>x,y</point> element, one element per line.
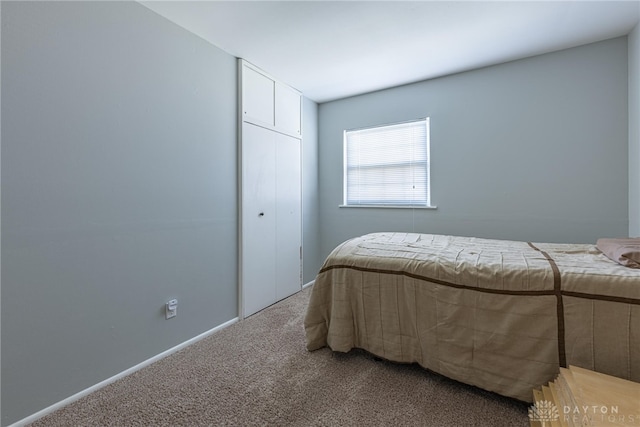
<point>387,165</point>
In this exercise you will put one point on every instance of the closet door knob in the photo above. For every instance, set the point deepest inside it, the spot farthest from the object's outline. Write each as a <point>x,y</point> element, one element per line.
<point>261,214</point>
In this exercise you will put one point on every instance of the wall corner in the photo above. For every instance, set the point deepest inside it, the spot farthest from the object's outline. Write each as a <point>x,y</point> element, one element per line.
<point>633,47</point>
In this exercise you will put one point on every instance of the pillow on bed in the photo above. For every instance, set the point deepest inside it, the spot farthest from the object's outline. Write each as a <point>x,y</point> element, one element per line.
<point>623,251</point>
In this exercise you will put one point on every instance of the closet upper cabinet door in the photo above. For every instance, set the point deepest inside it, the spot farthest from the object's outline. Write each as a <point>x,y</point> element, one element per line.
<point>258,92</point>
<point>288,110</point>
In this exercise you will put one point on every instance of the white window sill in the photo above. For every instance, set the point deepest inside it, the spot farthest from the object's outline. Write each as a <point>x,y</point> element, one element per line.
<point>388,206</point>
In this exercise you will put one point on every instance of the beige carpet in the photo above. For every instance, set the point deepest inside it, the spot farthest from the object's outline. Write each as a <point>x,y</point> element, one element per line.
<point>258,372</point>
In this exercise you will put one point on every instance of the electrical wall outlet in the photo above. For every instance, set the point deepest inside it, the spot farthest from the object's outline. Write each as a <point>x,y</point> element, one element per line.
<point>171,308</point>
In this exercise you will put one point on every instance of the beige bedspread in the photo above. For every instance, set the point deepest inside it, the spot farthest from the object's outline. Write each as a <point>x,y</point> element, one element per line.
<point>500,315</point>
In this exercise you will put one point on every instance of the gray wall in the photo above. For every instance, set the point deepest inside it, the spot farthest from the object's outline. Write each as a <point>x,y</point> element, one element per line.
<point>634,131</point>
<point>534,149</point>
<point>310,209</point>
<point>118,193</point>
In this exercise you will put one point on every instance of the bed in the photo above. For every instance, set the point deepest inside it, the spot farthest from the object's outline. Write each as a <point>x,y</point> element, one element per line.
<point>499,315</point>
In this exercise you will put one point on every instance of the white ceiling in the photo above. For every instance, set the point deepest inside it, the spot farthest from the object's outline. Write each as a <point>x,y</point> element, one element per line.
<point>334,49</point>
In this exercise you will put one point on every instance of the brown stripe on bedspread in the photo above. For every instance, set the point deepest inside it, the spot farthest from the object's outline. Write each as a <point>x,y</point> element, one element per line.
<point>601,297</point>
<point>557,288</point>
<point>437,281</point>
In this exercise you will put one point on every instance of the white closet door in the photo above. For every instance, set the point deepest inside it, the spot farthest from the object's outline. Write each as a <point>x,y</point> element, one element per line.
<point>289,217</point>
<point>288,110</point>
<point>271,190</point>
<point>258,93</point>
<point>258,218</point>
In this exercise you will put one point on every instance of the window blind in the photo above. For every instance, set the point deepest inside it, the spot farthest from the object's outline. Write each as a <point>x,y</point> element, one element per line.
<point>388,165</point>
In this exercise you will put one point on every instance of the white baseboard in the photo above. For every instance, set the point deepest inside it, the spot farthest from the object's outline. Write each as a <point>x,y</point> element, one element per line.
<point>70,399</point>
<point>306,285</point>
